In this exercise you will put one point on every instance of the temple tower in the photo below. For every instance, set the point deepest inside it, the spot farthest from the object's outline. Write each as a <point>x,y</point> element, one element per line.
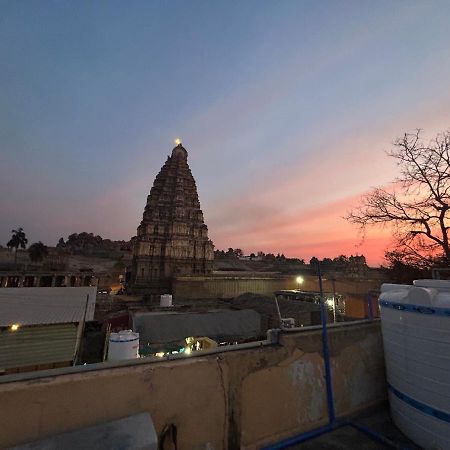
<point>172,239</point>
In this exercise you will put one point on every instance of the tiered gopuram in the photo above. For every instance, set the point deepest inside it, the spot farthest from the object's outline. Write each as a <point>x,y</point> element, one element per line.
<point>172,239</point>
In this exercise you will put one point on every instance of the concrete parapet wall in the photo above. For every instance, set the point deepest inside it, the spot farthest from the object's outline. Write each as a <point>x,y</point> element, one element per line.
<point>228,400</point>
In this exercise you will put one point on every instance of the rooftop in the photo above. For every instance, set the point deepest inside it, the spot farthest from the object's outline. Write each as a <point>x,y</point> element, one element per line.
<point>36,306</point>
<point>243,396</point>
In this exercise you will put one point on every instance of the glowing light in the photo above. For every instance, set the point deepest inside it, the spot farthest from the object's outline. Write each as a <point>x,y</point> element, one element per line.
<point>160,354</point>
<point>187,351</point>
<point>330,302</point>
<point>178,141</point>
<point>14,327</point>
<point>300,279</point>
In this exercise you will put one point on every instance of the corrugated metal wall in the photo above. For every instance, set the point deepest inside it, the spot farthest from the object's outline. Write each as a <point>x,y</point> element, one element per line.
<point>37,345</point>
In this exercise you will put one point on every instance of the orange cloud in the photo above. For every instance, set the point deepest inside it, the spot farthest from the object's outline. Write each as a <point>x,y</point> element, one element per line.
<point>320,232</point>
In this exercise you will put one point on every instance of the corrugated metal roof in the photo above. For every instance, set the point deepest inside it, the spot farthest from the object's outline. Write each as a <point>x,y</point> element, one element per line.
<point>37,345</point>
<point>167,327</point>
<point>40,305</point>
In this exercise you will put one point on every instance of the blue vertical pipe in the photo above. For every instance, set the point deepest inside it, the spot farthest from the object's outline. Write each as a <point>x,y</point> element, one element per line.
<point>333,424</point>
<point>372,296</point>
<point>369,306</point>
<point>326,352</point>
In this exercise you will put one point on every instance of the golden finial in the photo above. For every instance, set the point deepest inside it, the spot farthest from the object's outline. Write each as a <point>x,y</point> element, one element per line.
<point>178,141</point>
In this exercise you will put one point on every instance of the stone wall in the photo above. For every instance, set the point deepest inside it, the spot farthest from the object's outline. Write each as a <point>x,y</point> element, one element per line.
<point>228,400</point>
<point>229,286</point>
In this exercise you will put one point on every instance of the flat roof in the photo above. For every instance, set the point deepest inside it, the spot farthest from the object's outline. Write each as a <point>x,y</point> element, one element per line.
<point>171,327</point>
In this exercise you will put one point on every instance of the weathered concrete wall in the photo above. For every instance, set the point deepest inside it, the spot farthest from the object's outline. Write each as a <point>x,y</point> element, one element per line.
<point>228,286</point>
<point>229,400</point>
<point>289,397</point>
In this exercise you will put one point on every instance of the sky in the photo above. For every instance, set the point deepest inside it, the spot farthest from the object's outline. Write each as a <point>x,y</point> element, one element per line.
<point>285,107</point>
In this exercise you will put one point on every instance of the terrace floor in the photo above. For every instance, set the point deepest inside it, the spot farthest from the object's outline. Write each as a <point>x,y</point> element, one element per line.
<point>348,438</point>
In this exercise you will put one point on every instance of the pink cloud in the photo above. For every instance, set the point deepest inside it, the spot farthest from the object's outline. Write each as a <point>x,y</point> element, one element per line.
<point>320,232</point>
<point>298,209</point>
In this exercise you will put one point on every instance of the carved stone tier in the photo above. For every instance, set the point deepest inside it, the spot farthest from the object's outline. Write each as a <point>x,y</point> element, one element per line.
<point>172,239</point>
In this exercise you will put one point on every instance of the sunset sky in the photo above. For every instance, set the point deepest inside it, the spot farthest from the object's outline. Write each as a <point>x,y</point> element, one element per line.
<point>285,107</point>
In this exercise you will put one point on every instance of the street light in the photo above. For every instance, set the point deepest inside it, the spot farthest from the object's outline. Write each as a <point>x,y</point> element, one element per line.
<point>300,280</point>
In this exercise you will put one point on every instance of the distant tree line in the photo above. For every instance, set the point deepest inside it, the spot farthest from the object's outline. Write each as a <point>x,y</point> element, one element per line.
<point>230,253</point>
<point>89,243</point>
<point>37,251</point>
<point>352,265</point>
<point>236,253</point>
<point>340,262</point>
<point>81,243</point>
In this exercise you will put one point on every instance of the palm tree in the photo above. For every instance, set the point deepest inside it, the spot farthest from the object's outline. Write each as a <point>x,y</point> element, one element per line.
<point>37,251</point>
<point>17,240</point>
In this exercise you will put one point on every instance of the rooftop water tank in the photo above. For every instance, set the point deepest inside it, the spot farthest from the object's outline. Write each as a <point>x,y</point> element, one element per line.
<point>415,322</point>
<point>166,301</point>
<point>123,345</point>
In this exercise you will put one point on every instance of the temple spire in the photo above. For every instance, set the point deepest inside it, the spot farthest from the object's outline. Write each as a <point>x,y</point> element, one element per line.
<point>172,238</point>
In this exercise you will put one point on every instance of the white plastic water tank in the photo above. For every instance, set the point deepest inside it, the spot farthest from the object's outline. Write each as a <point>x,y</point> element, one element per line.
<point>415,323</point>
<point>166,301</point>
<point>123,345</point>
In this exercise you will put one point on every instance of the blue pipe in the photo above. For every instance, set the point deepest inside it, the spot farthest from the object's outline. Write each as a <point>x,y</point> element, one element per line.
<point>299,438</point>
<point>333,424</point>
<point>369,305</point>
<point>370,296</point>
<point>326,352</point>
<point>331,427</point>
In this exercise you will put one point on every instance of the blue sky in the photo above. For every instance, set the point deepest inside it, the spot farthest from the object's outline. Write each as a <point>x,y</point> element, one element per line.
<point>286,109</point>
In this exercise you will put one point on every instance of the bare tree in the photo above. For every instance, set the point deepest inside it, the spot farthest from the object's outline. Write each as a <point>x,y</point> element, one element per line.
<point>418,203</point>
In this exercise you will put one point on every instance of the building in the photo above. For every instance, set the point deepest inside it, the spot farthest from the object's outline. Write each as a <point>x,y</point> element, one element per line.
<point>172,239</point>
<point>18,278</point>
<point>41,328</point>
<point>161,330</point>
